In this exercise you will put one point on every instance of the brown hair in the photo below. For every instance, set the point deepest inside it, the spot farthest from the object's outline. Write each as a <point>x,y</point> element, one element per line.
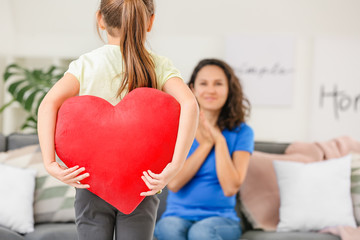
<point>237,107</point>
<point>130,19</point>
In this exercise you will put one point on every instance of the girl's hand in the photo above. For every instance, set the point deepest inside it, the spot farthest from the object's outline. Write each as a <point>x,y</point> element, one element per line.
<point>71,176</point>
<point>156,182</point>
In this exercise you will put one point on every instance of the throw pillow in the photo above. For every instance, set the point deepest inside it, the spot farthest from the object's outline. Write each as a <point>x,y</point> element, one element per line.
<point>314,196</point>
<point>17,196</point>
<point>355,185</point>
<point>54,200</point>
<point>259,194</point>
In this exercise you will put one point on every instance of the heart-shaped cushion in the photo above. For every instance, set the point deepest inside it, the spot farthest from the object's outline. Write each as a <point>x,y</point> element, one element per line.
<point>116,144</point>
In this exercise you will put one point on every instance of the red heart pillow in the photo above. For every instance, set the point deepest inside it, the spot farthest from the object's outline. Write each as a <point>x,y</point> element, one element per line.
<point>116,144</point>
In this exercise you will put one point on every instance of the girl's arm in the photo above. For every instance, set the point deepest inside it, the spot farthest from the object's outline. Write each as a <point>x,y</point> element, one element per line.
<point>68,86</point>
<point>187,127</point>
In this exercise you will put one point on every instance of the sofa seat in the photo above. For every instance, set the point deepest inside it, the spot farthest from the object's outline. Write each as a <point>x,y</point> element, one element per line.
<point>54,231</point>
<point>261,235</point>
<point>7,234</point>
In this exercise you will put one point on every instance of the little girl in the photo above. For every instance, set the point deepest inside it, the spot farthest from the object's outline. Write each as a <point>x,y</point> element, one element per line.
<point>110,72</point>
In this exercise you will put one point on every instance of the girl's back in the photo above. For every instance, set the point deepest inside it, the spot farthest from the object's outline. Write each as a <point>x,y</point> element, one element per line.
<point>100,72</point>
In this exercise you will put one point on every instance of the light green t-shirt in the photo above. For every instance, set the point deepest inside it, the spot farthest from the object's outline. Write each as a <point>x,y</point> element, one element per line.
<point>99,72</point>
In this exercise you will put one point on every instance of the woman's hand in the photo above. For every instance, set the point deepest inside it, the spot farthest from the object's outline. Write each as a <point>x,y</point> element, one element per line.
<point>71,176</point>
<point>207,132</point>
<point>204,135</point>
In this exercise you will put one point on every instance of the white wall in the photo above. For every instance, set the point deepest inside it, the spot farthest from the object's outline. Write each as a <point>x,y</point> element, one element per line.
<point>189,30</point>
<point>7,27</point>
<point>198,29</point>
<point>7,33</point>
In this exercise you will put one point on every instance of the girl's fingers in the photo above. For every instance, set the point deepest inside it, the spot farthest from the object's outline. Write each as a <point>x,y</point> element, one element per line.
<point>73,178</point>
<point>74,173</point>
<point>75,182</point>
<point>70,170</point>
<point>79,185</point>
<point>153,175</point>
<point>153,188</point>
<point>81,177</point>
<point>149,193</point>
<point>153,182</point>
<point>146,182</point>
<point>150,179</point>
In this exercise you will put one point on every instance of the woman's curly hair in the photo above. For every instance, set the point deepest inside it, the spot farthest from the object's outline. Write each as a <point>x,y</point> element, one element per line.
<point>237,107</point>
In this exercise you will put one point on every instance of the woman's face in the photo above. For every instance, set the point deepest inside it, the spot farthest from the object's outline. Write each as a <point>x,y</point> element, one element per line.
<point>211,88</point>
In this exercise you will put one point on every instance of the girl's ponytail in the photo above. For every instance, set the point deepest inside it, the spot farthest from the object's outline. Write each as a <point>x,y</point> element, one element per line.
<point>129,20</point>
<point>138,65</point>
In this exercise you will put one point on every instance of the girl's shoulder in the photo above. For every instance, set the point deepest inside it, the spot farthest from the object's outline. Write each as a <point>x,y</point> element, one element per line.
<point>160,60</point>
<point>164,68</point>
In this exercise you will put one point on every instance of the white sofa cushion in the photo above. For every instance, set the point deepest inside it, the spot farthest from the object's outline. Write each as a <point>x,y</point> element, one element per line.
<point>17,196</point>
<point>314,196</point>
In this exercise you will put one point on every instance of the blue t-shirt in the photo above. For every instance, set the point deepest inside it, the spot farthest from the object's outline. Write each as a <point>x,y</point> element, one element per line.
<point>202,196</point>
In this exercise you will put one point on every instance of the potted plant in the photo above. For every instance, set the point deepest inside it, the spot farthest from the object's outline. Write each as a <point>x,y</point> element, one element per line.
<point>28,88</point>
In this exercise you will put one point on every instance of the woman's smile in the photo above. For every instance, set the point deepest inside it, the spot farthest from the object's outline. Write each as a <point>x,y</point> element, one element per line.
<point>211,88</point>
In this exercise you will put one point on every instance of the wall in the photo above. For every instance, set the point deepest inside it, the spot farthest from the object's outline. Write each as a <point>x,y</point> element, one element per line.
<point>5,42</point>
<point>187,31</point>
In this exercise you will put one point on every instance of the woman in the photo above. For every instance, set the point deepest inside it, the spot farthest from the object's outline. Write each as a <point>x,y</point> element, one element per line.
<point>202,198</point>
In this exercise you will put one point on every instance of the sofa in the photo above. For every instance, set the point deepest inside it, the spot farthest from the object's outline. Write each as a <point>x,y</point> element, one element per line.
<point>66,230</point>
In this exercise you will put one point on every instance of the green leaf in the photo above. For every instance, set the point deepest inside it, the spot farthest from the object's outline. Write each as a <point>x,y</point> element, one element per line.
<point>32,119</point>
<point>12,88</point>
<point>51,70</point>
<point>20,95</point>
<point>6,105</point>
<point>29,87</point>
<point>30,123</point>
<point>354,169</point>
<point>26,126</point>
<point>30,100</point>
<point>355,189</point>
<point>7,75</point>
<point>11,70</point>
<point>355,178</point>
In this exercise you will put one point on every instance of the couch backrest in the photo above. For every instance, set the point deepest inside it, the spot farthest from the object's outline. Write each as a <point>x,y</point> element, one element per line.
<point>271,147</point>
<point>2,143</point>
<point>18,140</point>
